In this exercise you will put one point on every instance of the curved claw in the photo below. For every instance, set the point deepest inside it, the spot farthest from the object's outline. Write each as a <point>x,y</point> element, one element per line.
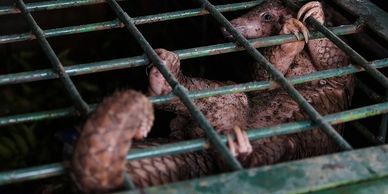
<point>311,12</point>
<point>300,28</point>
<point>242,146</point>
<point>312,8</point>
<point>231,145</point>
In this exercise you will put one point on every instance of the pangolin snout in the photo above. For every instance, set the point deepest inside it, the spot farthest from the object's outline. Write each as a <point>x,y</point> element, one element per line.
<point>237,24</point>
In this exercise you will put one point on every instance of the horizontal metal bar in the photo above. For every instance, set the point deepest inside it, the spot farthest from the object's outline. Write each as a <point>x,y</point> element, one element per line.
<point>351,53</point>
<point>57,66</point>
<point>177,88</point>
<point>117,24</point>
<point>277,77</point>
<point>56,169</point>
<point>246,87</point>
<point>49,5</point>
<point>376,18</point>
<point>115,64</point>
<point>360,171</point>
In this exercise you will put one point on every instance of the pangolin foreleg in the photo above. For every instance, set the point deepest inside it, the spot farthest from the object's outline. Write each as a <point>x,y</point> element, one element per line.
<point>223,112</point>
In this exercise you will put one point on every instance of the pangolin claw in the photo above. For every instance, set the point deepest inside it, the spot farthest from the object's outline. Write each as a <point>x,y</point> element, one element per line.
<point>295,26</point>
<point>243,146</point>
<point>313,9</point>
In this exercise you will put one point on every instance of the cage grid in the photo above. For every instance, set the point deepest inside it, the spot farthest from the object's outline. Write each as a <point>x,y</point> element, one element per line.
<point>124,20</point>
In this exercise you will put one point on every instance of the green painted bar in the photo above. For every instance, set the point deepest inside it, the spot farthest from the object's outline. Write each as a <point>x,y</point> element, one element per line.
<point>33,173</point>
<point>177,89</point>
<point>56,169</point>
<point>251,86</point>
<point>115,64</point>
<point>49,5</point>
<point>277,76</point>
<point>326,174</point>
<point>57,67</point>
<point>375,18</point>
<point>62,31</point>
<point>378,185</point>
<point>117,24</point>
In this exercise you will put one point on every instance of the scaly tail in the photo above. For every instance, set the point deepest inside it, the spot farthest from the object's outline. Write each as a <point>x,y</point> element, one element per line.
<point>98,163</point>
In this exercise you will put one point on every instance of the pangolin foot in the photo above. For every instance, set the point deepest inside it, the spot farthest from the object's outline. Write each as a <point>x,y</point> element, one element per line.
<point>242,147</point>
<point>294,26</point>
<point>157,84</point>
<point>314,9</point>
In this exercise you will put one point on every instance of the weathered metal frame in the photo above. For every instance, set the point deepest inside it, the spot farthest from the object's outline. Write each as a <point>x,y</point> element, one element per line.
<point>186,97</point>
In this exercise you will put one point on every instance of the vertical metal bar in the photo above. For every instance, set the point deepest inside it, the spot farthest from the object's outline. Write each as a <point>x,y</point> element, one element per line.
<point>376,17</point>
<point>117,24</point>
<point>113,64</point>
<point>178,89</point>
<point>358,59</point>
<point>79,103</point>
<point>278,77</point>
<point>354,56</point>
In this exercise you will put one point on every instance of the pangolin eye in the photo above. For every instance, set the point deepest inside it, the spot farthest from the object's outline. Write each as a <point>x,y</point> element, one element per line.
<point>267,17</point>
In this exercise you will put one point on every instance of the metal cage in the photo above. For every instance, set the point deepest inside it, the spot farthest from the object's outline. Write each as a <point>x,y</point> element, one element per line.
<point>359,170</point>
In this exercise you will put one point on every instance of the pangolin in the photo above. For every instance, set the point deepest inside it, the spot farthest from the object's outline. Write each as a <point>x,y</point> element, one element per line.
<point>99,161</point>
<point>230,112</point>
